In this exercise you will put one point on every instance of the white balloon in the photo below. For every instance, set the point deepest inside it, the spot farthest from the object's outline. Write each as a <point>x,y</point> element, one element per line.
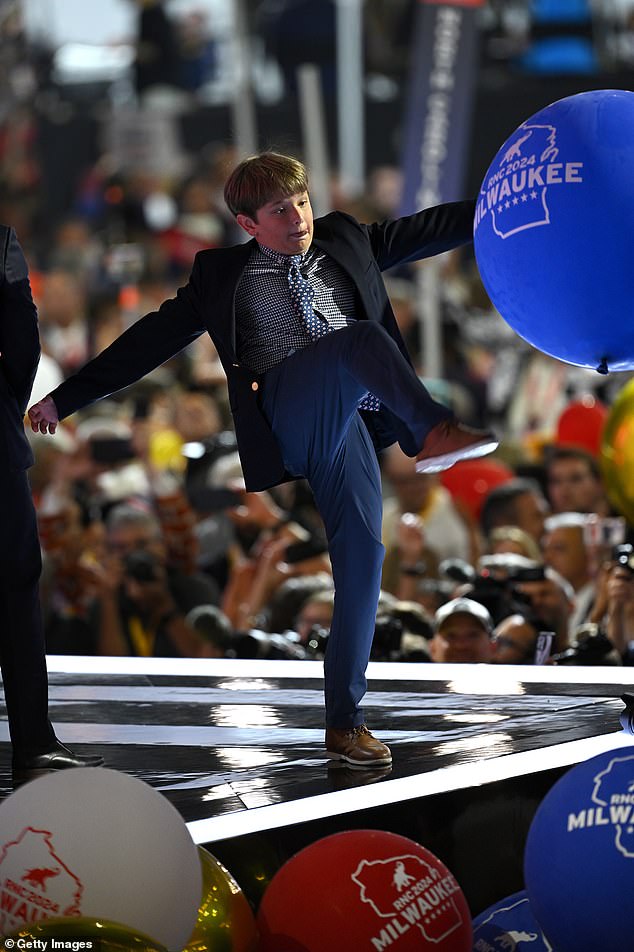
<point>97,843</point>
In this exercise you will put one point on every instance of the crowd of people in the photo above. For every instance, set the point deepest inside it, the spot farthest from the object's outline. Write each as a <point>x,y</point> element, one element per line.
<point>152,546</point>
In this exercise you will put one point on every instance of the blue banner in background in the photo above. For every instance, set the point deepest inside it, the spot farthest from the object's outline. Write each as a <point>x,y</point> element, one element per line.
<point>439,105</point>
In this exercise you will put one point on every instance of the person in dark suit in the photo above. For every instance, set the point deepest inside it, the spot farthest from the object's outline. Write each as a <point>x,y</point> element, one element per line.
<point>35,748</point>
<point>319,379</point>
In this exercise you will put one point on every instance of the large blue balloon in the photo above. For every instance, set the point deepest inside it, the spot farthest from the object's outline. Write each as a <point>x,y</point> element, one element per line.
<point>579,857</point>
<point>554,230</point>
<point>508,925</point>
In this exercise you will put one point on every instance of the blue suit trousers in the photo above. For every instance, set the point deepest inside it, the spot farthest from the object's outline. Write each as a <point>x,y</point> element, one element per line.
<point>311,400</point>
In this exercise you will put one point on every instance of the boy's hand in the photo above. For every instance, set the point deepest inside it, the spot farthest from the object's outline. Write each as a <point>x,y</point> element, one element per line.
<point>44,416</point>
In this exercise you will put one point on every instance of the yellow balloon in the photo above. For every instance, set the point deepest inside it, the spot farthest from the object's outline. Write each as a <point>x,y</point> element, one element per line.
<point>225,920</point>
<point>617,452</point>
<point>111,936</point>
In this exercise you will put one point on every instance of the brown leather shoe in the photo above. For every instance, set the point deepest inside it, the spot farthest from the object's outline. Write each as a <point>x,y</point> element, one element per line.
<point>357,746</point>
<point>449,442</point>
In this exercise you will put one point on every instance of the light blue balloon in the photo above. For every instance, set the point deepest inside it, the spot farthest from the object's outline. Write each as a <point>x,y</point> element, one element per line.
<point>554,230</point>
<point>579,856</point>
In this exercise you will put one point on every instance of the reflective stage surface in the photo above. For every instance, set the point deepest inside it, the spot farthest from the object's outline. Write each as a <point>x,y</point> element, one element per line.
<point>237,746</point>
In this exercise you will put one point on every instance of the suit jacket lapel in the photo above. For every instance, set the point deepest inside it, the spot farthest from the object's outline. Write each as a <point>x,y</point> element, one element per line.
<point>342,249</point>
<point>338,248</point>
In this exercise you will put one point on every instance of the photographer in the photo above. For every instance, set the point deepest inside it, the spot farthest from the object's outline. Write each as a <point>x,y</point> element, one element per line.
<point>527,598</point>
<point>512,584</point>
<point>550,599</point>
<point>315,612</point>
<point>421,524</point>
<point>565,551</point>
<point>142,600</point>
<point>614,605</point>
<point>278,548</point>
<point>402,632</point>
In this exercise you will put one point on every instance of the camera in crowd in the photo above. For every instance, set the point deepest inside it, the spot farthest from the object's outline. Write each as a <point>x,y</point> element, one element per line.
<point>263,644</point>
<point>317,642</point>
<point>497,585</point>
<point>142,566</point>
<point>401,632</point>
<point>623,555</point>
<point>388,635</point>
<point>590,646</point>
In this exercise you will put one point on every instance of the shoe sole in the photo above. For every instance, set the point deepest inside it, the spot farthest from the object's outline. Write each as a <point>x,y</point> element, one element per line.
<point>437,464</point>
<point>23,776</point>
<point>382,762</point>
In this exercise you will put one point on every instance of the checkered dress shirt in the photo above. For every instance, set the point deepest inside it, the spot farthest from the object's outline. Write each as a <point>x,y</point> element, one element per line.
<point>268,329</point>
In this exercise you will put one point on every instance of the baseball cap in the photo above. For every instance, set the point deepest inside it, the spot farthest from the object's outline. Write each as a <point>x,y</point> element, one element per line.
<point>464,606</point>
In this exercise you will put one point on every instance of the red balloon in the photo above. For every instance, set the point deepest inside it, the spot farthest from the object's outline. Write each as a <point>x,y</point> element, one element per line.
<point>364,889</point>
<point>471,481</point>
<point>581,424</point>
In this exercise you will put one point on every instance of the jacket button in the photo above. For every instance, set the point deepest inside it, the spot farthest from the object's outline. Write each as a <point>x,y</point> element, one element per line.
<point>255,385</point>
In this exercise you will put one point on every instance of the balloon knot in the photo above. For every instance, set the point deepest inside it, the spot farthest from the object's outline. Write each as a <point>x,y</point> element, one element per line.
<point>603,366</point>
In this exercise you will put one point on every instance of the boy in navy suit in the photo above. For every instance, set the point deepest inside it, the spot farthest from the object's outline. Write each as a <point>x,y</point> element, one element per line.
<point>319,379</point>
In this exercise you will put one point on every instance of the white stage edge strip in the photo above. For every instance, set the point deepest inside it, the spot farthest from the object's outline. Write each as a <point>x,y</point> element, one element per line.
<point>456,777</point>
<point>465,678</point>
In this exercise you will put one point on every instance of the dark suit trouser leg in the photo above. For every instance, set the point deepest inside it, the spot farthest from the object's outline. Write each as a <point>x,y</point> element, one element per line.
<point>347,492</point>
<point>22,651</point>
<point>311,402</point>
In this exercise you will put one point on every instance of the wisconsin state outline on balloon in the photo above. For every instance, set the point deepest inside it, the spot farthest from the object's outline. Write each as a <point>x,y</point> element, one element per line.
<point>425,898</point>
<point>68,851</point>
<point>611,804</point>
<point>24,892</point>
<point>553,229</point>
<point>517,193</point>
<point>381,890</point>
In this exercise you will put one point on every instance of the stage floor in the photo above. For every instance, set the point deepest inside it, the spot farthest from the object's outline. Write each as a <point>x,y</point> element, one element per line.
<point>237,746</point>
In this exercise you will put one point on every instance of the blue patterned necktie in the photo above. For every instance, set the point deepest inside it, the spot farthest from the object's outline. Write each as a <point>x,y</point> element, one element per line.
<point>302,303</point>
<point>302,299</point>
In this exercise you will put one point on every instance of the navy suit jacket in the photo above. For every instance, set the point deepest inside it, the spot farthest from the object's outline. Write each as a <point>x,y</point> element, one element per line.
<point>19,351</point>
<point>207,303</point>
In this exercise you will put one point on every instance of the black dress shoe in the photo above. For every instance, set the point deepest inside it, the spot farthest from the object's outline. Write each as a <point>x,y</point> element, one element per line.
<point>59,758</point>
